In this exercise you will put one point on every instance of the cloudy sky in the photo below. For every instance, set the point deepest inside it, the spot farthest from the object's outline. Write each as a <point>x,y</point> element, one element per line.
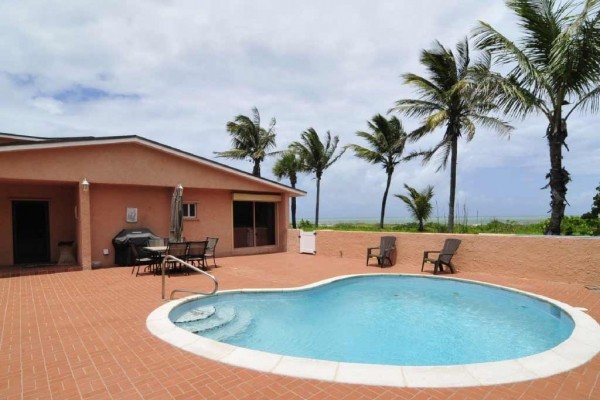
<point>177,71</point>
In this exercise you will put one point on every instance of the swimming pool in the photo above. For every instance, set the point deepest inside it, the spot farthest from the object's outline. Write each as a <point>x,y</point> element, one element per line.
<point>386,329</point>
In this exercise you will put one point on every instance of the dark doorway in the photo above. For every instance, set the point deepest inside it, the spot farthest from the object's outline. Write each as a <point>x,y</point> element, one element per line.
<point>31,232</point>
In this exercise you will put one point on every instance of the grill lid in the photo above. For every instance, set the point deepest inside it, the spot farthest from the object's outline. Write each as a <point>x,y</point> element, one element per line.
<point>135,234</point>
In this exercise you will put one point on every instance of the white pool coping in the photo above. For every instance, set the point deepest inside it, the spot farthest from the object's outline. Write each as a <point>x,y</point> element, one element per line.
<point>578,349</point>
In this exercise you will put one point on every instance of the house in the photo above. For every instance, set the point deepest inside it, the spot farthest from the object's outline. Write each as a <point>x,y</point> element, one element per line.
<point>87,189</point>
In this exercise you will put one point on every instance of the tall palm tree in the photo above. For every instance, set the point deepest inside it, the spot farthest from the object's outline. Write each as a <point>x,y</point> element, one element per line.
<point>386,146</point>
<point>453,97</point>
<point>556,64</point>
<point>250,140</point>
<point>418,203</point>
<point>287,166</point>
<point>316,157</point>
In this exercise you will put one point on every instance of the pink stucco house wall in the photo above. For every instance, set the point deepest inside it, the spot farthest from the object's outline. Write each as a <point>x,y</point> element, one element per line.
<point>43,197</point>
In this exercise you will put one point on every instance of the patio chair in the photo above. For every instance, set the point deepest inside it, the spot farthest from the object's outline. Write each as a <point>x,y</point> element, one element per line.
<point>211,249</point>
<point>196,253</point>
<point>444,256</point>
<point>386,248</point>
<point>140,258</point>
<point>178,250</point>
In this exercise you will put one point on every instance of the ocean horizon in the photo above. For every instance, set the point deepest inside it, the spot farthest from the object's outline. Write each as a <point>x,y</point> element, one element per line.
<point>470,220</point>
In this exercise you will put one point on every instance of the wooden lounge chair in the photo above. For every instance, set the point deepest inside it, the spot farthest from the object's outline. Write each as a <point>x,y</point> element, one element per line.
<point>386,248</point>
<point>444,256</point>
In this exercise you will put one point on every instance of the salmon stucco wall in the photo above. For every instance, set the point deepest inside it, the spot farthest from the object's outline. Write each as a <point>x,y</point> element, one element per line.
<point>563,258</point>
<point>61,201</point>
<point>214,217</point>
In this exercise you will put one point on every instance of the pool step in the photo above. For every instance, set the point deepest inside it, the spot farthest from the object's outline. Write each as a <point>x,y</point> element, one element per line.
<point>229,330</point>
<point>221,317</point>
<point>196,314</point>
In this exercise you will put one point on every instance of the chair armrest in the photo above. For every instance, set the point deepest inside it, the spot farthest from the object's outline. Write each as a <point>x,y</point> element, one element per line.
<point>426,253</point>
<point>370,249</point>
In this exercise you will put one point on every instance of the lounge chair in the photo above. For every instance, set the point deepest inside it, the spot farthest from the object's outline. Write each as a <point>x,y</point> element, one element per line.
<point>211,249</point>
<point>444,256</point>
<point>196,253</point>
<point>386,248</point>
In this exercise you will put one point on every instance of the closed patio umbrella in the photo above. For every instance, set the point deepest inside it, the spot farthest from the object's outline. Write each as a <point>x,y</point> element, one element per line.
<point>176,227</point>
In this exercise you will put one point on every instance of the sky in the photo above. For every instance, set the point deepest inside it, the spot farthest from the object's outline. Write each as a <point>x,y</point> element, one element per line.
<point>177,71</point>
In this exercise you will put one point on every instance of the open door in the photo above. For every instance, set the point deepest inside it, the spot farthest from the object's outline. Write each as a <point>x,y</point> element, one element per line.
<point>31,232</point>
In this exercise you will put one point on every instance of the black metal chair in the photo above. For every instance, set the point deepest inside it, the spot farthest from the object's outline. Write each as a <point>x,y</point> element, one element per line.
<point>211,249</point>
<point>196,253</point>
<point>444,256</point>
<point>387,247</point>
<point>177,250</point>
<point>140,258</point>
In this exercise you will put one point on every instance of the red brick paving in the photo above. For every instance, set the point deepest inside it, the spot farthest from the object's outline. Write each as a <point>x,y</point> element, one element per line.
<point>82,334</point>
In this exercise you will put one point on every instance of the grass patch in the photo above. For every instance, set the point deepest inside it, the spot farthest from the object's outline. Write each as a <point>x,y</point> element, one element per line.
<point>571,226</point>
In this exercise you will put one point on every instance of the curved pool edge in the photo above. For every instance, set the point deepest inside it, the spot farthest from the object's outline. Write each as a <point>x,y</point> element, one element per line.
<point>579,348</point>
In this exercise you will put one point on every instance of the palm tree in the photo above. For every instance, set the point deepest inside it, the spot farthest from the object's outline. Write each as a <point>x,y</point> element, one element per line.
<point>453,97</point>
<point>316,157</point>
<point>287,166</point>
<point>556,63</point>
<point>418,203</point>
<point>250,140</point>
<point>386,147</point>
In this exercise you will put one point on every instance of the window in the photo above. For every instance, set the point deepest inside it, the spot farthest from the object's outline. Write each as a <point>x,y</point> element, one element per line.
<point>189,210</point>
<point>253,224</point>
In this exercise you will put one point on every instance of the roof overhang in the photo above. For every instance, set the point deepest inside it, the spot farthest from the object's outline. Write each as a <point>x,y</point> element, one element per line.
<point>47,143</point>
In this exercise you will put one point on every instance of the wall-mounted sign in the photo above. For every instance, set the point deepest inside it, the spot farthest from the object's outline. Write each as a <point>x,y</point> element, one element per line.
<point>131,214</point>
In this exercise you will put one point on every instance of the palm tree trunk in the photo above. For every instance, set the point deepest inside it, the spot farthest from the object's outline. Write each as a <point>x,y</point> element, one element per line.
<point>256,168</point>
<point>293,184</point>
<point>559,177</point>
<point>294,212</point>
<point>421,225</point>
<point>385,195</point>
<point>317,207</point>
<point>453,162</point>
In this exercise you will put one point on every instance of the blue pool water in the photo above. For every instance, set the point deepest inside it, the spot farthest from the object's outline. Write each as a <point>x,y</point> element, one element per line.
<point>396,320</point>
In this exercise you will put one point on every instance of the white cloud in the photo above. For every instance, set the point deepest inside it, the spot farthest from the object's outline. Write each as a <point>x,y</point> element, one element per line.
<point>329,65</point>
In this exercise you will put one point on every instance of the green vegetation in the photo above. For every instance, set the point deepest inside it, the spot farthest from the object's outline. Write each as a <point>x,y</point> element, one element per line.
<point>316,157</point>
<point>386,147</point>
<point>556,64</point>
<point>418,203</point>
<point>575,226</point>
<point>553,69</point>
<point>250,140</point>
<point>453,97</point>
<point>595,211</point>
<point>287,166</point>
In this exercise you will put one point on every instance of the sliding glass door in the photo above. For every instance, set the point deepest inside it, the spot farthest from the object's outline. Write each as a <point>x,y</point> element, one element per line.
<point>253,223</point>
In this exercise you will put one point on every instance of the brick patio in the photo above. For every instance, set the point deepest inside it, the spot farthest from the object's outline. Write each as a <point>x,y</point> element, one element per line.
<point>82,334</point>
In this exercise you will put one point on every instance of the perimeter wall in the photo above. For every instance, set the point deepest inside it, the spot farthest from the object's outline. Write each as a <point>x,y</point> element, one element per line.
<point>559,258</point>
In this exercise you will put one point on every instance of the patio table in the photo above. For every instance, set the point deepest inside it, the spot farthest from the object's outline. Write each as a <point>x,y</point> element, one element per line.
<point>157,254</point>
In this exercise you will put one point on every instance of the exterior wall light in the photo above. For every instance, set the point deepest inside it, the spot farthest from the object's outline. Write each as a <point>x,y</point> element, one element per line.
<point>85,185</point>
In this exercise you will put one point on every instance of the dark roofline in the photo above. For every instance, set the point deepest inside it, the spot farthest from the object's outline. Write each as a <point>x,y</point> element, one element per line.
<point>66,140</point>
